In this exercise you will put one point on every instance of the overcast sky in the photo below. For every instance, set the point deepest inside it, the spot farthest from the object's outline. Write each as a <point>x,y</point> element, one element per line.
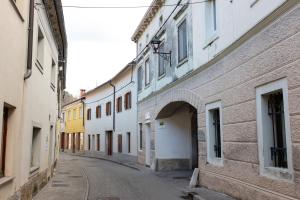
<point>99,40</point>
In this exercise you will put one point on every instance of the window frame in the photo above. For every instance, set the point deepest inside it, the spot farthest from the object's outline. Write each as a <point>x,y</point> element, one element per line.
<point>140,78</point>
<point>89,114</point>
<point>128,100</point>
<point>211,157</point>
<point>211,21</point>
<point>147,72</point>
<point>119,104</point>
<point>161,60</point>
<point>270,171</point>
<point>108,108</point>
<point>98,111</point>
<point>183,59</point>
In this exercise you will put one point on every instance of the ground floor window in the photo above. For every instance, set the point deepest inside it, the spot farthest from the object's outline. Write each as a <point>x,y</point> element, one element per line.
<point>89,142</point>
<point>3,141</point>
<point>120,143</point>
<point>273,126</point>
<point>128,142</point>
<point>35,148</point>
<point>98,142</point>
<point>214,133</point>
<point>141,136</point>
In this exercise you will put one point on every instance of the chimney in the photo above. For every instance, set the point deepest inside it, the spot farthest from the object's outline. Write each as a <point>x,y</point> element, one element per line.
<point>82,93</point>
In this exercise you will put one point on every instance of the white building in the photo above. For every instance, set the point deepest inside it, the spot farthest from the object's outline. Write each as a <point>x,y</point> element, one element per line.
<point>111,115</point>
<point>206,96</point>
<point>32,78</point>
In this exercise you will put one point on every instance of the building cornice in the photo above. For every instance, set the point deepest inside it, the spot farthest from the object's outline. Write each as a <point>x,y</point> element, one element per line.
<point>150,14</point>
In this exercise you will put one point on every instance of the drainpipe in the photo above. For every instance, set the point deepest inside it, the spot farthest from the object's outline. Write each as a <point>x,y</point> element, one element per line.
<point>114,105</point>
<point>30,40</point>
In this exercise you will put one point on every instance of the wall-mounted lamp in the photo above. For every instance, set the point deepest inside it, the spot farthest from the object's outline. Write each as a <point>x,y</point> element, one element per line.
<point>155,43</point>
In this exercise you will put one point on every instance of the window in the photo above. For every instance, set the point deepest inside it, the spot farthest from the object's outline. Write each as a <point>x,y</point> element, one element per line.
<point>80,112</point>
<point>69,115</point>
<point>127,100</point>
<point>98,142</point>
<point>74,114</point>
<point>161,61</point>
<point>141,135</point>
<point>140,78</point>
<point>89,114</point>
<point>53,74</point>
<point>211,18</point>
<point>214,133</point>
<point>128,142</point>
<point>35,149</point>
<point>40,48</point>
<point>108,108</point>
<point>182,41</point>
<point>161,20</point>
<point>119,104</point>
<point>63,117</point>
<point>273,129</point>
<point>3,141</point>
<point>120,143</point>
<point>147,72</point>
<point>98,112</point>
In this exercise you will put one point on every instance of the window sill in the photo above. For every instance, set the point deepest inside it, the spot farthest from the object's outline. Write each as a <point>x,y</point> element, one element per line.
<point>211,40</point>
<point>147,86</point>
<point>277,173</point>
<point>161,76</point>
<point>34,170</point>
<point>182,62</point>
<point>17,10</point>
<point>218,162</point>
<point>6,179</point>
<point>39,66</point>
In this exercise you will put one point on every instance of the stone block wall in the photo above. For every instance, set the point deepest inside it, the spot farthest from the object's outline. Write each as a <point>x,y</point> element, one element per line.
<point>269,55</point>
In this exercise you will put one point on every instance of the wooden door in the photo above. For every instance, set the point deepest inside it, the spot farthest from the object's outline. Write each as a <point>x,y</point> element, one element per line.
<point>62,141</point>
<point>73,142</point>
<point>120,143</point>
<point>109,143</point>
<point>4,136</point>
<point>98,142</point>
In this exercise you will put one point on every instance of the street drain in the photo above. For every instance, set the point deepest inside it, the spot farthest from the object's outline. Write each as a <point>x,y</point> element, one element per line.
<point>60,185</point>
<point>180,177</point>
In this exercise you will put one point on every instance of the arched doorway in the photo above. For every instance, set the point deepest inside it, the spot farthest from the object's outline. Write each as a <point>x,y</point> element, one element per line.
<point>176,137</point>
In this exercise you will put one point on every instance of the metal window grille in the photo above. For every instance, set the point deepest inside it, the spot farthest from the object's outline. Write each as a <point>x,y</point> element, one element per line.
<point>216,124</point>
<point>276,113</point>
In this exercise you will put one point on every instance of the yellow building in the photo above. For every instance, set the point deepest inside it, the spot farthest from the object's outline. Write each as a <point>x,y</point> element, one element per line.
<point>72,127</point>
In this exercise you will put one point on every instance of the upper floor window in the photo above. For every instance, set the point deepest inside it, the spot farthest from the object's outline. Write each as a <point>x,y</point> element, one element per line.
<point>147,72</point>
<point>74,113</point>
<point>89,114</point>
<point>119,104</point>
<point>69,115</point>
<point>80,112</point>
<point>40,48</point>
<point>182,41</point>
<point>127,100</point>
<point>211,18</point>
<point>273,128</point>
<point>108,108</point>
<point>53,74</point>
<point>98,112</point>
<point>161,61</point>
<point>140,78</point>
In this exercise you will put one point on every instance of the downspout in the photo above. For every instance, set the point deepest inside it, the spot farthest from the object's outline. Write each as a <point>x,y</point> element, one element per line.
<point>30,40</point>
<point>114,105</point>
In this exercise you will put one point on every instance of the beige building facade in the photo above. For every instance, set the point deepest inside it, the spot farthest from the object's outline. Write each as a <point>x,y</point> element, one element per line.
<point>32,76</point>
<point>236,115</point>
